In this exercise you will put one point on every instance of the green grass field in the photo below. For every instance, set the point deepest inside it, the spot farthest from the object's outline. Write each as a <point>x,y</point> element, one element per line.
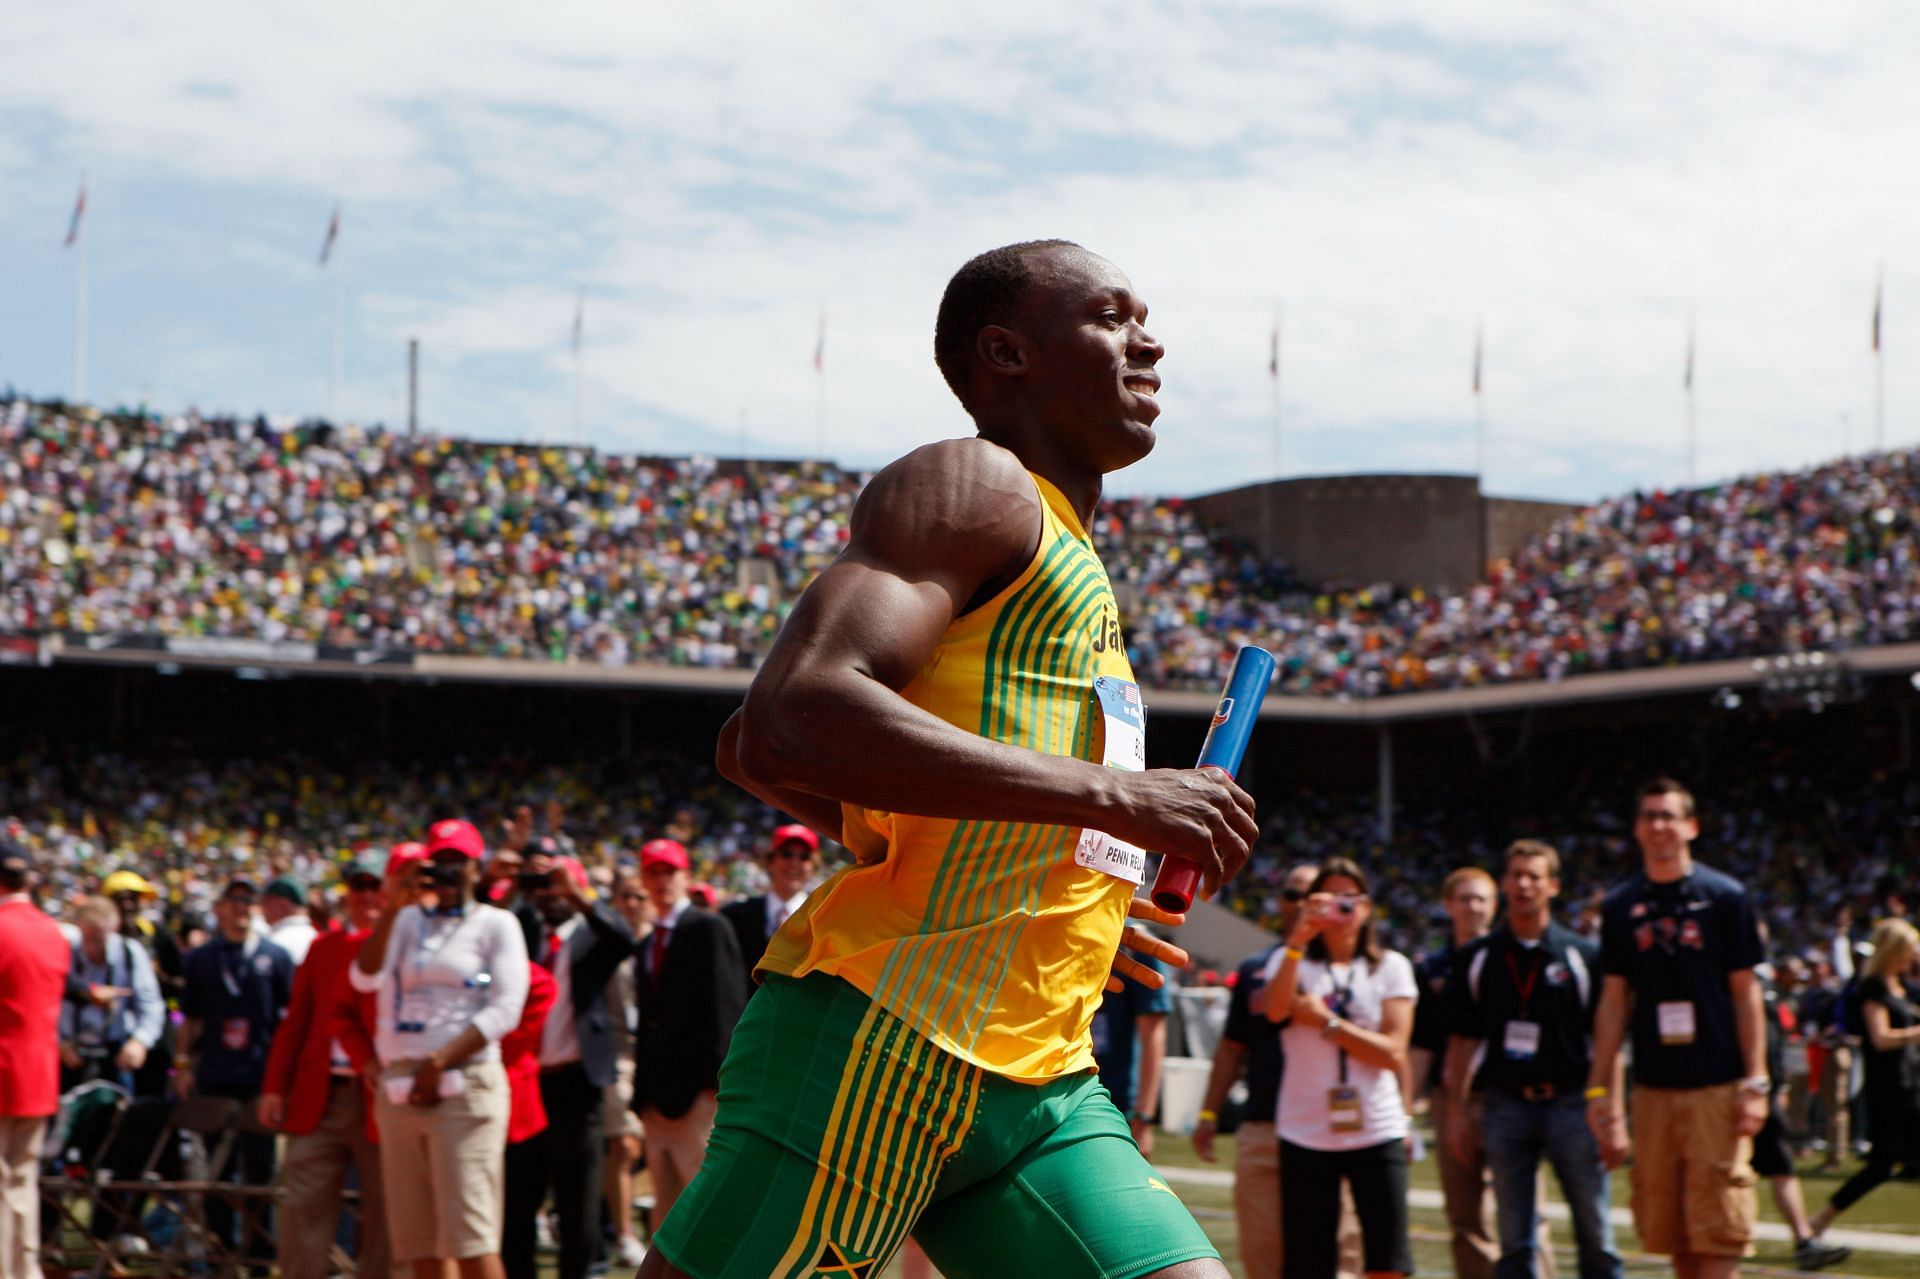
<point>1894,1208</point>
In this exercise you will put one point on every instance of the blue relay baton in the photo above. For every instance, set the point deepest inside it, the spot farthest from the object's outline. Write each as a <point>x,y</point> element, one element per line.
<point>1226,745</point>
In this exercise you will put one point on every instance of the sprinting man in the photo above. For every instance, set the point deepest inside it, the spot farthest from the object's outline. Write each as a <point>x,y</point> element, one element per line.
<point>951,700</point>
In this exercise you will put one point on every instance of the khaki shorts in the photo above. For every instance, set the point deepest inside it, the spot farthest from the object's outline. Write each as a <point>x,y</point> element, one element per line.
<point>616,1115</point>
<point>1693,1179</point>
<point>445,1168</point>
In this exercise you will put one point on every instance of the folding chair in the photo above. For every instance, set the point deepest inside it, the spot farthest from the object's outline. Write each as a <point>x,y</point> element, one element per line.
<point>83,1129</point>
<point>186,1173</point>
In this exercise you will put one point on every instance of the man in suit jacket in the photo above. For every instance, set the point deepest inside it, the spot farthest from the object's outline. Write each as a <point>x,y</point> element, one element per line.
<point>580,941</point>
<point>791,860</point>
<point>692,987</point>
<point>318,1089</point>
<point>34,959</point>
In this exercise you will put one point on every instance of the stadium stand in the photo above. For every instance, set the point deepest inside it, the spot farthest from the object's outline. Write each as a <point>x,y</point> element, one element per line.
<point>129,523</point>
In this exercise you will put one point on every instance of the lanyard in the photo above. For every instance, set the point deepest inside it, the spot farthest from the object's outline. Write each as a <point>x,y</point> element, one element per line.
<point>419,960</point>
<point>1525,988</point>
<point>1344,995</point>
<point>230,973</point>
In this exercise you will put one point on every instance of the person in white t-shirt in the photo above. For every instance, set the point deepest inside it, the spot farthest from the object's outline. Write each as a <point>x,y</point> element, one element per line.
<point>1345,1008</point>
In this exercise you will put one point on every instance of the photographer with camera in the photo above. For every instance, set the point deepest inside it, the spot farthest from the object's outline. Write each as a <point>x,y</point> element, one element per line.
<point>1345,1007</point>
<point>451,976</point>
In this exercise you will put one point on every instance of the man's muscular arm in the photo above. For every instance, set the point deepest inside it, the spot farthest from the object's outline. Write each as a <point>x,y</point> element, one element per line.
<point>931,535</point>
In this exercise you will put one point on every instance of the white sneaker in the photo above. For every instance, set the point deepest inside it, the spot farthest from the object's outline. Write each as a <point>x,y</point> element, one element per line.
<point>543,1234</point>
<point>629,1250</point>
<point>130,1246</point>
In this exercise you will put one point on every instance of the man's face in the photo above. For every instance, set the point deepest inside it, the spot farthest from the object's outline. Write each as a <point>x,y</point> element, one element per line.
<point>363,901</point>
<point>129,906</point>
<point>555,906</point>
<point>93,935</point>
<point>1293,896</point>
<point>1470,906</point>
<point>790,868</point>
<point>274,908</point>
<point>505,865</point>
<point>1663,827</point>
<point>234,913</point>
<point>1090,371</point>
<point>1528,885</point>
<point>631,900</point>
<point>666,886</point>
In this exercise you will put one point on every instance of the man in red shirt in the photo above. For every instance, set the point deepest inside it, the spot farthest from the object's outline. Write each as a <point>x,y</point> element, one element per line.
<point>316,1090</point>
<point>34,958</point>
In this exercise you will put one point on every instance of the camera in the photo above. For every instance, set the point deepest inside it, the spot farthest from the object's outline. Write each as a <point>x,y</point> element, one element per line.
<point>1344,905</point>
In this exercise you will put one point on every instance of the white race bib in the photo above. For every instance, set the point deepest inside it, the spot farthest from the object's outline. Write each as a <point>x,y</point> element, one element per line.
<point>1522,1041</point>
<point>1126,748</point>
<point>1676,1022</point>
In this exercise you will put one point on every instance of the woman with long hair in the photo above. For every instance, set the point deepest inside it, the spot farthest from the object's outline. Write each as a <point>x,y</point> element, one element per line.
<point>1891,1015</point>
<point>1345,1008</point>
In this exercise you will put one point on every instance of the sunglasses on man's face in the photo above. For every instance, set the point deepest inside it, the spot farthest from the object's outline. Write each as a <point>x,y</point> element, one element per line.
<point>633,897</point>
<point>1293,894</point>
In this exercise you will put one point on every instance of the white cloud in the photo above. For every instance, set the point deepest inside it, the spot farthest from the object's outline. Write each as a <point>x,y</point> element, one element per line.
<point>1582,179</point>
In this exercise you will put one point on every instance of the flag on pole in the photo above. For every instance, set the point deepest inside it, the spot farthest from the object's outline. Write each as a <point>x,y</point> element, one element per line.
<point>1687,380</point>
<point>1476,357</point>
<point>579,321</point>
<point>820,345</point>
<point>1876,304</point>
<point>79,212</point>
<point>333,233</point>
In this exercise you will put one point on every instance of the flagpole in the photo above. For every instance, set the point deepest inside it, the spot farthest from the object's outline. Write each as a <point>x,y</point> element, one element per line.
<point>1277,438</point>
<point>579,369</point>
<point>1479,406</point>
<point>336,305</point>
<point>820,390</point>
<point>1879,367</point>
<point>80,320</point>
<point>1693,435</point>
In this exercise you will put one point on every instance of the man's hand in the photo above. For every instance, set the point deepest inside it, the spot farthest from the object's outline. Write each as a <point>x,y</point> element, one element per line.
<point>132,1055</point>
<point>426,1084</point>
<point>182,1082</point>
<point>1203,1135</point>
<point>1142,1134</point>
<point>564,885</point>
<point>1749,1113</point>
<point>1609,1126</point>
<point>104,996</point>
<point>517,833</point>
<point>1198,814</point>
<point>1125,965</point>
<point>69,1055</point>
<point>272,1109</point>
<point>403,886</point>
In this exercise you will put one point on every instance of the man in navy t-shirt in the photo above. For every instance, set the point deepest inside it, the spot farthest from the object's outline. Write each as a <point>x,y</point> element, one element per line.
<point>238,985</point>
<point>1678,946</point>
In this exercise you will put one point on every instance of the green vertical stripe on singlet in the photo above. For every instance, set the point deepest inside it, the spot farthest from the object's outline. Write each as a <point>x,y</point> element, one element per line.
<point>912,963</point>
<point>1018,645</point>
<point>1033,881</point>
<point>1048,688</point>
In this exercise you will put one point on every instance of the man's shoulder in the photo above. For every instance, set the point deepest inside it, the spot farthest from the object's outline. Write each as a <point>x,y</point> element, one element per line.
<point>957,494</point>
<point>1623,894</point>
<point>744,909</point>
<point>1717,883</point>
<point>1562,939</point>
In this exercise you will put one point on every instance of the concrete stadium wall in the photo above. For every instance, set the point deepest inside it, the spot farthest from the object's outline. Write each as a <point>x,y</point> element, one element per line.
<point>1428,530</point>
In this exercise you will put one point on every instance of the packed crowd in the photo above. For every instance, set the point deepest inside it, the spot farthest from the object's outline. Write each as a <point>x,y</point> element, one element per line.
<point>359,536</point>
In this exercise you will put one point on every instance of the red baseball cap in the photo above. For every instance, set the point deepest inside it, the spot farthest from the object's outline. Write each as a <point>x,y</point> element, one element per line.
<point>405,854</point>
<point>794,832</point>
<point>457,835</point>
<point>664,852</point>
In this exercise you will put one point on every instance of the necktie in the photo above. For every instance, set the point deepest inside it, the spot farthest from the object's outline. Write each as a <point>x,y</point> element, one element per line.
<point>657,956</point>
<point>553,950</point>
<point>779,915</point>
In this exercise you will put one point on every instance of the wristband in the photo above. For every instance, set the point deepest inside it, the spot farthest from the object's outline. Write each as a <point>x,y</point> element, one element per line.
<point>1332,1028</point>
<point>1756,1085</point>
<point>1294,952</point>
<point>1209,1117</point>
<point>1598,1091</point>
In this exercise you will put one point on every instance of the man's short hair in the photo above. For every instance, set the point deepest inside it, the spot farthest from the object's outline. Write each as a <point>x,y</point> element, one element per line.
<point>16,867</point>
<point>1460,877</point>
<point>1533,848</point>
<point>99,911</point>
<point>987,290</point>
<point>1667,786</point>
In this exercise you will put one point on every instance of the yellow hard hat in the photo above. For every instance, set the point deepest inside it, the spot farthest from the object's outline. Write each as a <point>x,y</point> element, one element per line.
<point>125,881</point>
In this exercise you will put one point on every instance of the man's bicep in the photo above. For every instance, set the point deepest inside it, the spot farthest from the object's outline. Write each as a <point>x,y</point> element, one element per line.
<point>864,615</point>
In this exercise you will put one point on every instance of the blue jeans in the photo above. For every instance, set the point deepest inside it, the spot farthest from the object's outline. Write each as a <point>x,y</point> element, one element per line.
<point>1517,1134</point>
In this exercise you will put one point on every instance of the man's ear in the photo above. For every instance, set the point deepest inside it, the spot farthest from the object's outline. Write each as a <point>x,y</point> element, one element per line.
<point>1002,351</point>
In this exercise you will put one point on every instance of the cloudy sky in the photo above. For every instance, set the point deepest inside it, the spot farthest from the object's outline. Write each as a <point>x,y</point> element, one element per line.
<point>1579,179</point>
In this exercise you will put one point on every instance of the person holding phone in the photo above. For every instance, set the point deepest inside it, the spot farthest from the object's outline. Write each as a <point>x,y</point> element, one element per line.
<point>450,973</point>
<point>1345,1007</point>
